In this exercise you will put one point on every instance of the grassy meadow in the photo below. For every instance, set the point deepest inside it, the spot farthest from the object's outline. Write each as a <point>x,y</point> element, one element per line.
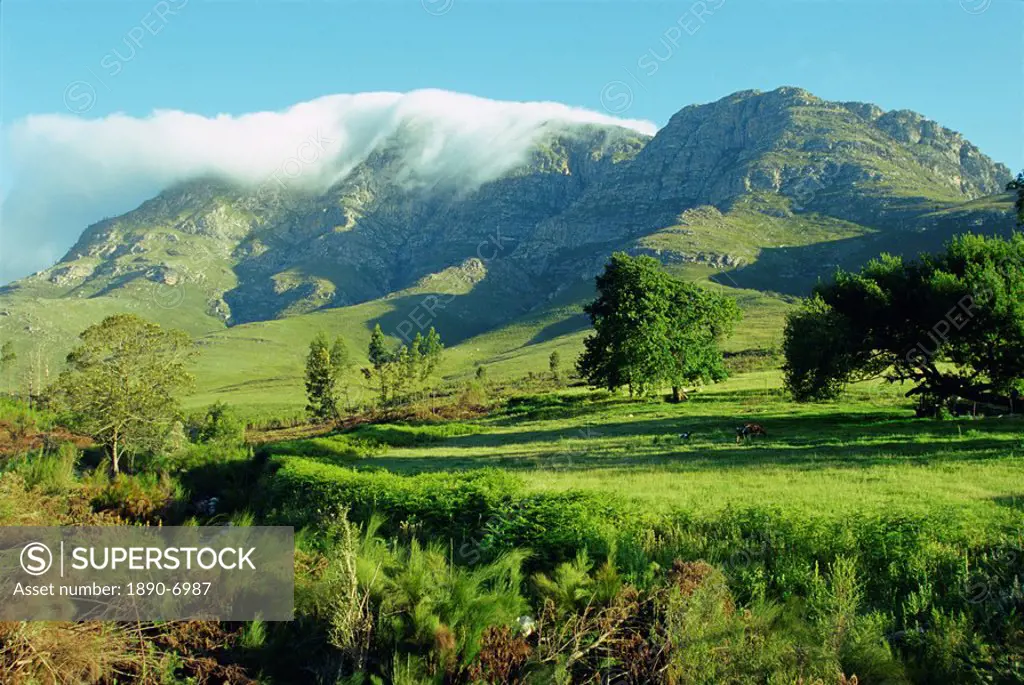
<point>866,453</point>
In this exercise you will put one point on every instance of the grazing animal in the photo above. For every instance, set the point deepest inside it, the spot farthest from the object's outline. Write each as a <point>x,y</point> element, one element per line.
<point>684,436</point>
<point>748,431</point>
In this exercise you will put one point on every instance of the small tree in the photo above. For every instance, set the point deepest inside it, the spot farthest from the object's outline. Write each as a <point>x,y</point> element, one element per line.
<point>402,370</point>
<point>341,362</point>
<point>430,349</point>
<point>555,365</point>
<point>324,366</point>
<point>380,361</point>
<point>123,382</point>
<point>220,425</point>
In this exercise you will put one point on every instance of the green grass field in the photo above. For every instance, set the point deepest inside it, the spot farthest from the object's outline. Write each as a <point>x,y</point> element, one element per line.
<point>864,454</point>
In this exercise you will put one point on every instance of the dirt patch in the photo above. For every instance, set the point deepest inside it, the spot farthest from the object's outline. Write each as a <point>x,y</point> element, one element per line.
<point>15,439</point>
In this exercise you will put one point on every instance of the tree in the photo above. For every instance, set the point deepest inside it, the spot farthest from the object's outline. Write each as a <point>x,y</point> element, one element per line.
<point>651,330</point>
<point>555,365</point>
<point>380,361</point>
<point>405,370</point>
<point>122,383</point>
<point>402,369</point>
<point>1018,185</point>
<point>341,362</point>
<point>430,350</point>
<point>952,324</point>
<point>700,320</point>
<point>325,367</point>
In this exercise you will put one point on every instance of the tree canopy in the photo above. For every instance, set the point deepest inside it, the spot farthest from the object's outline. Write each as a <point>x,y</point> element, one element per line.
<point>952,324</point>
<point>651,330</point>
<point>122,383</point>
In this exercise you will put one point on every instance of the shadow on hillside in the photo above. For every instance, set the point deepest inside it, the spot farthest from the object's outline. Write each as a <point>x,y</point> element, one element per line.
<point>796,270</point>
<point>457,318</point>
<point>567,326</point>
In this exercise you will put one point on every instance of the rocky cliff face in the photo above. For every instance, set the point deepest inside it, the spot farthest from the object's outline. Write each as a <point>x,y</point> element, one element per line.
<point>584,192</point>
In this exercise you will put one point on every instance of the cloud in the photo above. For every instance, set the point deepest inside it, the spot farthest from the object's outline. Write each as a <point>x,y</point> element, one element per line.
<point>66,172</point>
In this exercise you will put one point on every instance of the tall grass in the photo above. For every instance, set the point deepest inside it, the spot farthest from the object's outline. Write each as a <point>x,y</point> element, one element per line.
<point>51,472</point>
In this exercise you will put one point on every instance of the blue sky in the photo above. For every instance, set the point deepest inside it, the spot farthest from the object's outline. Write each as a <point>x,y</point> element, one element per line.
<point>960,62</point>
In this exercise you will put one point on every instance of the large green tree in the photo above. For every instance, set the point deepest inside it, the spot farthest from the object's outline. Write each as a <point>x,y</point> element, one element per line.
<point>951,324</point>
<point>651,330</point>
<point>123,382</point>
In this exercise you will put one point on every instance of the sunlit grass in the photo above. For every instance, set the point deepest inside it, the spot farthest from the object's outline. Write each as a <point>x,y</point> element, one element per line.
<point>866,453</point>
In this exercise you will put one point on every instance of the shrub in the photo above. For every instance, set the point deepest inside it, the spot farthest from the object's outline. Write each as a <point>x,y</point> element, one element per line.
<point>412,435</point>
<point>20,414</point>
<point>304,491</point>
<point>224,470</point>
<point>51,472</point>
<point>219,424</point>
<point>143,497</point>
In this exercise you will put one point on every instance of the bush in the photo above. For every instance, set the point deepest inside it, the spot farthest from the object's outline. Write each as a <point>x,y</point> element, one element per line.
<point>228,471</point>
<point>304,491</point>
<point>219,424</point>
<point>485,512</point>
<point>23,416</point>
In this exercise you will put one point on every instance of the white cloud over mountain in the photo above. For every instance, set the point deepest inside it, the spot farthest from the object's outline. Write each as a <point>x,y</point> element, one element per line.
<point>66,172</point>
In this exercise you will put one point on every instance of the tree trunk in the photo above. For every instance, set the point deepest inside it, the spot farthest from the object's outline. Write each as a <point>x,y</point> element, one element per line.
<point>676,394</point>
<point>114,456</point>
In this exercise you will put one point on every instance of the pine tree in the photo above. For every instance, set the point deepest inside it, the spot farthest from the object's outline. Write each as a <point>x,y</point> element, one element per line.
<point>381,360</point>
<point>430,349</point>
<point>340,359</point>
<point>321,381</point>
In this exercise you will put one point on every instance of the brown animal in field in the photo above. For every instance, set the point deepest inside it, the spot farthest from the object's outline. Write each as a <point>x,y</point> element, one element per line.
<point>749,430</point>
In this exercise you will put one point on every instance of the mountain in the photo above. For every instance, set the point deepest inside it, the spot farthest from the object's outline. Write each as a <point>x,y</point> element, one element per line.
<point>763,191</point>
